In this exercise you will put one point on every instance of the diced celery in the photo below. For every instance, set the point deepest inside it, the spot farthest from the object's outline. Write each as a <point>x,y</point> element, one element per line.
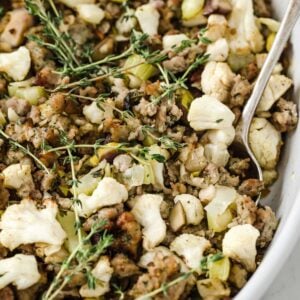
<point>190,8</point>
<point>142,71</point>
<point>89,181</point>
<point>219,269</point>
<point>237,62</point>
<point>67,222</point>
<point>219,223</point>
<point>32,94</point>
<point>148,141</point>
<point>270,41</point>
<point>64,189</point>
<point>149,177</point>
<point>272,24</point>
<point>102,153</point>
<point>186,98</point>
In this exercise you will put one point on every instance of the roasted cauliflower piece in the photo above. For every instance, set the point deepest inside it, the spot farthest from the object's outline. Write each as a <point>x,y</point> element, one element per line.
<point>265,142</point>
<point>217,80</point>
<point>23,224</point>
<point>107,193</point>
<point>208,112</point>
<point>20,270</point>
<point>239,243</point>
<point>244,35</point>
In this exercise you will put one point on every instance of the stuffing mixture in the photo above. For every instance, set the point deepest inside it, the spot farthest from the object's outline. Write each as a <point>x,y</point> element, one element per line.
<point>118,178</point>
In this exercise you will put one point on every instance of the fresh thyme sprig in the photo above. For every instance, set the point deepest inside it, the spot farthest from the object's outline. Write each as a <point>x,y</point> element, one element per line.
<point>84,254</point>
<point>87,81</point>
<point>165,286</point>
<point>61,44</point>
<point>26,150</point>
<point>171,88</point>
<point>134,151</point>
<point>166,141</point>
<point>74,181</point>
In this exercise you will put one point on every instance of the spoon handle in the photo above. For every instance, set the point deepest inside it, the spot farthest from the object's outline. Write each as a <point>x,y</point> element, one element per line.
<point>282,36</point>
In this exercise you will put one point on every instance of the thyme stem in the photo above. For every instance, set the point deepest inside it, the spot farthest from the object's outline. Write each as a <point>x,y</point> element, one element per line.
<point>93,79</point>
<point>75,193</point>
<point>106,60</point>
<point>84,256</point>
<point>166,286</point>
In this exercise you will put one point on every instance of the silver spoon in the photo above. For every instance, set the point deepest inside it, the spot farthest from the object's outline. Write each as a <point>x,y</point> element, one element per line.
<point>282,36</point>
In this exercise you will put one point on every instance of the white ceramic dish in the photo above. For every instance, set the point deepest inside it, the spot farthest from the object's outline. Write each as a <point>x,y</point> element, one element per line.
<point>285,197</point>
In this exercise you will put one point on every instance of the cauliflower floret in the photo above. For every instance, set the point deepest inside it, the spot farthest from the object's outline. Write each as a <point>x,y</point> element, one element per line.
<point>192,208</point>
<point>102,272</point>
<point>24,224</point>
<point>96,115</point>
<point>216,27</point>
<point>20,270</point>
<point>90,13</point>
<point>217,80</point>
<point>148,18</point>
<point>221,136</point>
<point>244,35</point>
<point>265,142</point>
<point>223,197</point>
<point>209,113</point>
<point>193,158</point>
<point>276,88</point>
<point>108,192</point>
<point>17,176</point>
<point>216,151</point>
<point>218,51</point>
<point>191,247</point>
<point>173,40</point>
<point>239,243</point>
<point>125,24</point>
<point>207,194</point>
<point>146,211</point>
<point>16,64</point>
<point>217,154</point>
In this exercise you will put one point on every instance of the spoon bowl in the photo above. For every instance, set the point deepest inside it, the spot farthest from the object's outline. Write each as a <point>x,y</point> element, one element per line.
<point>241,142</point>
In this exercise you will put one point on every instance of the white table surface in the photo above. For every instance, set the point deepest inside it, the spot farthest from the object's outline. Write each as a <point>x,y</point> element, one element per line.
<point>287,284</point>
